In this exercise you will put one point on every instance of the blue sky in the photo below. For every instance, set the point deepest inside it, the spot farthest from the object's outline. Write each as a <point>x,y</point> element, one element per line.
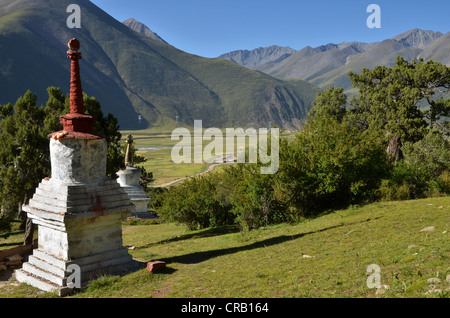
<point>210,28</point>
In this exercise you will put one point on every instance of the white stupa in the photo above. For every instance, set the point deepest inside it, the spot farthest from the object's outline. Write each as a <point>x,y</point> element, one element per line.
<point>129,181</point>
<point>79,209</point>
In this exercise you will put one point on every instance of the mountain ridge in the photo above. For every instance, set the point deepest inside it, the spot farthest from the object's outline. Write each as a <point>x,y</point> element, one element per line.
<point>132,74</point>
<point>329,64</point>
<point>259,55</point>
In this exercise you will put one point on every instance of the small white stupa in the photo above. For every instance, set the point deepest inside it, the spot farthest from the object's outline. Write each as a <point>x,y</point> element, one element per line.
<point>129,181</point>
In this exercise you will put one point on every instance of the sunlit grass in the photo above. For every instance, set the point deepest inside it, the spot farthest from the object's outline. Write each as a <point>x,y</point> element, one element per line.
<point>323,257</point>
<point>271,262</point>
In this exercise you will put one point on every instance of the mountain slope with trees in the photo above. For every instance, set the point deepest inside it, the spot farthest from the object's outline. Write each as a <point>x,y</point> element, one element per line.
<point>133,74</point>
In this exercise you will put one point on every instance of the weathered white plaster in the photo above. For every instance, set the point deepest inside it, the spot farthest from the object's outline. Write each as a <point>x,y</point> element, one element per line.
<point>129,180</point>
<point>129,177</point>
<point>76,160</point>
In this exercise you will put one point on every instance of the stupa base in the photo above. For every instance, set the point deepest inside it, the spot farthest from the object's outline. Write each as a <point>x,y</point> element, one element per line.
<point>78,224</point>
<point>50,274</point>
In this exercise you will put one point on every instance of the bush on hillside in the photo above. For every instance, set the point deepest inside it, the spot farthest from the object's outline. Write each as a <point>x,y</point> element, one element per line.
<point>253,201</point>
<point>195,204</point>
<point>423,171</point>
<point>330,165</point>
<point>443,182</point>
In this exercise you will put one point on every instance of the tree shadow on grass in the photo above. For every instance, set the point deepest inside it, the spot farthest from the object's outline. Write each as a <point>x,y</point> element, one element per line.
<point>216,231</point>
<point>198,257</point>
<point>13,244</point>
<point>6,235</point>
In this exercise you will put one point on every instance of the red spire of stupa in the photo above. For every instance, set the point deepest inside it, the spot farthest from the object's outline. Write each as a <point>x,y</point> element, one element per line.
<point>76,93</point>
<point>76,124</point>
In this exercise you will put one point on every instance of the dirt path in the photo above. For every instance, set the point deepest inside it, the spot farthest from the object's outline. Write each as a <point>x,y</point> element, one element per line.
<point>210,169</point>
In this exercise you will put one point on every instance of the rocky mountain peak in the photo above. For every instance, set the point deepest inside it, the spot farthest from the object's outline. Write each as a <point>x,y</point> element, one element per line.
<point>142,28</point>
<point>417,38</point>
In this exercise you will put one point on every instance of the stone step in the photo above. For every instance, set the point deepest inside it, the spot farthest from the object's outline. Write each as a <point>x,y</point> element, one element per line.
<point>83,205</point>
<point>86,263</point>
<point>138,197</point>
<point>39,272</point>
<point>48,267</point>
<point>40,283</point>
<point>50,259</point>
<point>65,192</point>
<point>46,272</point>
<point>77,188</point>
<point>96,258</point>
<point>77,197</point>
<point>135,192</point>
<point>107,267</point>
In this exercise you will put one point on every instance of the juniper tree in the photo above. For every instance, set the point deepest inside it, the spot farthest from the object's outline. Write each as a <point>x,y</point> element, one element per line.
<point>391,101</point>
<point>329,104</point>
<point>24,152</point>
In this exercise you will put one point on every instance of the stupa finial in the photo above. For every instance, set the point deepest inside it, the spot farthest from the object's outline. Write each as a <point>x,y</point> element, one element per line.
<point>76,92</point>
<point>76,121</point>
<point>129,155</point>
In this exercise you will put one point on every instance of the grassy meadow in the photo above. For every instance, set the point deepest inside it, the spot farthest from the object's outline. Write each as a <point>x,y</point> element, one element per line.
<point>159,161</point>
<point>325,257</point>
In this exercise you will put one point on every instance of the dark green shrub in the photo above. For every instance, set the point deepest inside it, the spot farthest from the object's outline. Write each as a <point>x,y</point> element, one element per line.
<point>329,165</point>
<point>253,200</point>
<point>5,224</point>
<point>411,176</point>
<point>443,182</point>
<point>195,203</point>
<point>424,169</point>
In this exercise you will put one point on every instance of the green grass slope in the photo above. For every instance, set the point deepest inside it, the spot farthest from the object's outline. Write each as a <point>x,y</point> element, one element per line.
<point>323,257</point>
